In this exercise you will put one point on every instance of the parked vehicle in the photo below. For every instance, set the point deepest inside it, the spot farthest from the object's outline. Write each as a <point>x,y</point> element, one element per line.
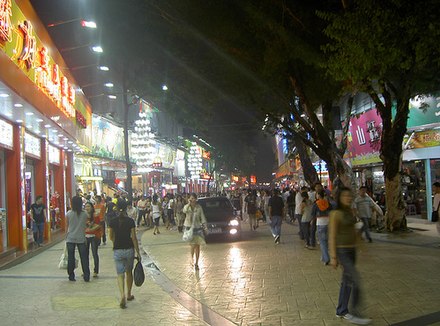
<point>222,219</point>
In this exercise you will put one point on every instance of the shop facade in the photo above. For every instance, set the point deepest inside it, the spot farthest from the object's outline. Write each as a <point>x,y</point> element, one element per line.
<point>42,122</point>
<point>420,159</point>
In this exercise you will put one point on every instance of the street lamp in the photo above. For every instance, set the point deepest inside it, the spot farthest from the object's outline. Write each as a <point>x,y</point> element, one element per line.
<point>84,23</point>
<point>95,48</point>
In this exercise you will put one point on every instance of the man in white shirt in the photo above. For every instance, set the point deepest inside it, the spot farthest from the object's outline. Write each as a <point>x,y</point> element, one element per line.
<point>298,200</point>
<point>363,209</point>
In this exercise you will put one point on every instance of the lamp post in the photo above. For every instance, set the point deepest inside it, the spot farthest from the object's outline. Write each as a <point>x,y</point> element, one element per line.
<point>84,23</point>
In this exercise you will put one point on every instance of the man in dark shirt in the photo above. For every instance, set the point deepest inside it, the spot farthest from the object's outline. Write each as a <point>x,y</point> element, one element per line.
<point>276,212</point>
<point>38,216</point>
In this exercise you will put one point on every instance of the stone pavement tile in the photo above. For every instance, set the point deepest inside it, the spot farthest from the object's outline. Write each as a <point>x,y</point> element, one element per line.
<point>45,297</point>
<point>293,277</point>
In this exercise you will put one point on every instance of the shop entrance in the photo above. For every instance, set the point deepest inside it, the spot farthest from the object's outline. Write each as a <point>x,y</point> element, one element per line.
<point>3,215</point>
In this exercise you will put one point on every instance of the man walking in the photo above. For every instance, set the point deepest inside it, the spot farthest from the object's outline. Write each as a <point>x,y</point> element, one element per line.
<point>38,216</point>
<point>276,211</point>
<point>363,206</point>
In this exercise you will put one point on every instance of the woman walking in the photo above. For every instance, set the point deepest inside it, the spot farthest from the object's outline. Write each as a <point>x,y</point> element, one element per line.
<point>306,219</point>
<point>195,218</point>
<point>123,234</point>
<point>93,235</point>
<point>156,213</point>
<point>342,240</point>
<point>76,237</point>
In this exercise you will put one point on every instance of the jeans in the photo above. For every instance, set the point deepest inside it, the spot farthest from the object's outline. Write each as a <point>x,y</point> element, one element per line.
<point>82,249</point>
<point>94,243</point>
<point>305,231</point>
<point>350,281</point>
<point>275,225</point>
<point>104,237</point>
<point>141,214</point>
<point>298,218</point>
<point>323,242</point>
<point>312,234</point>
<point>366,227</point>
<point>38,230</point>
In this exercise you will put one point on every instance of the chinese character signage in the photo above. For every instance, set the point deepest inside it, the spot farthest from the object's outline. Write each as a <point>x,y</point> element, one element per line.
<point>19,41</point>
<point>429,138</point>
<point>364,138</point>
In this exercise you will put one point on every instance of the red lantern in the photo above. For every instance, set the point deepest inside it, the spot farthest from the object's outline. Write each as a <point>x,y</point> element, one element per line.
<point>117,181</point>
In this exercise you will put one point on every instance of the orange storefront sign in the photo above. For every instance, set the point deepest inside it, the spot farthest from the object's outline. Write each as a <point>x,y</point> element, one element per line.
<point>21,44</point>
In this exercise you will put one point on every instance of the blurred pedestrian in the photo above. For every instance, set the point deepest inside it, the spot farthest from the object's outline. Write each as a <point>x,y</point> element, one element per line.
<point>342,240</point>
<point>306,218</point>
<point>156,213</point>
<point>100,212</point>
<point>142,210</point>
<point>93,236</point>
<point>76,237</point>
<point>298,200</point>
<point>276,213</point>
<point>178,212</point>
<point>320,213</point>
<point>363,210</point>
<point>251,208</point>
<point>195,218</point>
<point>123,234</point>
<point>38,217</point>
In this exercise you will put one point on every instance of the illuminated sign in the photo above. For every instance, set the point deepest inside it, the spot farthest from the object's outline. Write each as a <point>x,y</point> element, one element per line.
<point>53,84</point>
<point>54,155</point>
<point>6,134</point>
<point>81,119</point>
<point>32,145</point>
<point>206,155</point>
<point>5,20</point>
<point>21,43</point>
<point>253,179</point>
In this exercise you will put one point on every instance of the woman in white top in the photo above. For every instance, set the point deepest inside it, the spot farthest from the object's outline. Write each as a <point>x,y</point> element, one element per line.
<point>195,218</point>
<point>156,213</point>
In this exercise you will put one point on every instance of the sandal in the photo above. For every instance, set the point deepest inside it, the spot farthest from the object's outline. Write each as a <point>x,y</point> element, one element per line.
<point>130,298</point>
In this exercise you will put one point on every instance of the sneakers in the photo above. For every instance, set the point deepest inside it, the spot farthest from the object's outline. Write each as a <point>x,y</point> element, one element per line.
<point>354,319</point>
<point>277,239</point>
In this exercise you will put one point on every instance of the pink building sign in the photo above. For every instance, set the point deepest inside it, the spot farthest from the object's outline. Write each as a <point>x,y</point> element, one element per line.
<point>364,138</point>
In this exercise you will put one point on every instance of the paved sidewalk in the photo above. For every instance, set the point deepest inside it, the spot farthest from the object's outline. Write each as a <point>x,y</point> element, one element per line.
<point>249,282</point>
<point>255,282</point>
<point>36,292</point>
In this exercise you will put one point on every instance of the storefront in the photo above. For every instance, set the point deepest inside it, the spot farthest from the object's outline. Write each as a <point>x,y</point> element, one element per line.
<point>42,122</point>
<point>421,154</point>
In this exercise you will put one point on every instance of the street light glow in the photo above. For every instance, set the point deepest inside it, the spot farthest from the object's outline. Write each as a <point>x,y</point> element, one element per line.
<point>97,49</point>
<point>164,87</point>
<point>109,85</point>
<point>112,97</point>
<point>88,24</point>
<point>103,68</point>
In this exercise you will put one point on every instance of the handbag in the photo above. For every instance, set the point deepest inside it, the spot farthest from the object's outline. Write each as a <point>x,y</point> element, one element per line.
<point>64,259</point>
<point>434,215</point>
<point>138,274</point>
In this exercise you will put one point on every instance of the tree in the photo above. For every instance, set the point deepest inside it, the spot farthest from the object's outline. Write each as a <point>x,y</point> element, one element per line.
<point>388,49</point>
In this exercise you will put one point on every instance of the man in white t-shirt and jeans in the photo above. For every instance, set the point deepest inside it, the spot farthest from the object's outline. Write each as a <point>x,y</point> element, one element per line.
<point>363,207</point>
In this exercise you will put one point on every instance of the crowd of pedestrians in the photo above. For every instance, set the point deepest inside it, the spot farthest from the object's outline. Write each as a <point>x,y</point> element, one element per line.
<point>333,222</point>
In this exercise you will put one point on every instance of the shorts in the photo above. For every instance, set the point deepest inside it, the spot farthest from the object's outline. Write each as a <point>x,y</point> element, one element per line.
<point>124,260</point>
<point>156,221</point>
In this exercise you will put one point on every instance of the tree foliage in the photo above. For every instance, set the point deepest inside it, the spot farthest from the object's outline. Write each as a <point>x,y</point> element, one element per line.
<point>388,49</point>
